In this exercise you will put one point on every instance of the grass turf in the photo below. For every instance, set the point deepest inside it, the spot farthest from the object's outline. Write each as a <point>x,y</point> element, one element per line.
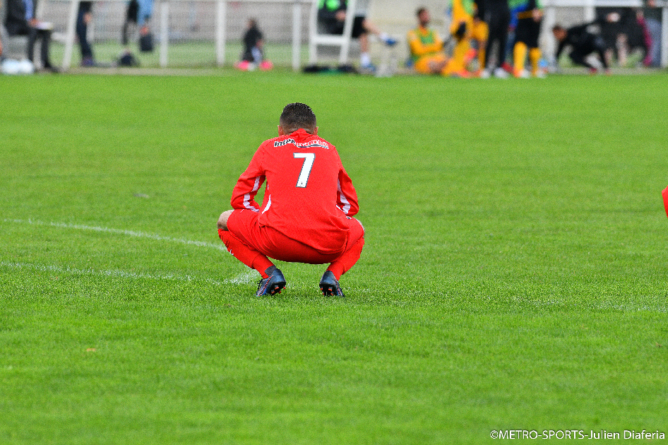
<point>514,274</point>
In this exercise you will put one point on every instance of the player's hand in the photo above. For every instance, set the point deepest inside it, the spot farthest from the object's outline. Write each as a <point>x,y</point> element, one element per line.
<point>613,17</point>
<point>537,14</point>
<point>461,30</point>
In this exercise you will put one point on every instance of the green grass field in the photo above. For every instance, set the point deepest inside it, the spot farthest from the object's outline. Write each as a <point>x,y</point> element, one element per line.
<point>514,275</point>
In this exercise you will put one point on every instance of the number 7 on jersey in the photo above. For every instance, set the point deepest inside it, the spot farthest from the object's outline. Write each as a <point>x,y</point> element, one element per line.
<point>308,158</point>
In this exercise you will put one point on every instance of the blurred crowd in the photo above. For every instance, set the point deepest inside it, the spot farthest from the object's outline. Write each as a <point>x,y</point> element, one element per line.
<point>500,38</point>
<point>485,38</point>
<point>497,38</point>
<point>20,21</point>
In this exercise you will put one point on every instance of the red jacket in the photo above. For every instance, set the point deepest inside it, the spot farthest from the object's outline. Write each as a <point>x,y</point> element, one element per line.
<point>309,195</point>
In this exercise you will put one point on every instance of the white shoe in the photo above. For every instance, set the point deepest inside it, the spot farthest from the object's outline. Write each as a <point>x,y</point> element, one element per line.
<point>524,74</point>
<point>540,74</point>
<point>500,73</point>
<point>484,74</point>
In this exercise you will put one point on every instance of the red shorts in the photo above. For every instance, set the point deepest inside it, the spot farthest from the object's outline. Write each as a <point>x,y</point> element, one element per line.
<point>244,225</point>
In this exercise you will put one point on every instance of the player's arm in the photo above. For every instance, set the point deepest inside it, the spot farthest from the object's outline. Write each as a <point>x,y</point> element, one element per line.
<point>260,40</point>
<point>518,10</point>
<point>250,181</point>
<point>480,11</point>
<point>347,196</point>
<point>560,49</point>
<point>460,16</point>
<point>419,49</point>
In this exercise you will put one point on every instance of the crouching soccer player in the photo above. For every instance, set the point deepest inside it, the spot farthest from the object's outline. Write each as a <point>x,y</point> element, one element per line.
<point>306,214</point>
<point>583,44</point>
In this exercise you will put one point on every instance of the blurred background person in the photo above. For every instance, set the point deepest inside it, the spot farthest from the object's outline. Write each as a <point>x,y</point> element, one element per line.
<point>332,15</point>
<point>496,13</point>
<point>84,17</point>
<point>465,26</point>
<point>529,19</point>
<point>130,23</point>
<point>2,14</point>
<point>253,54</point>
<point>624,35</point>
<point>582,42</point>
<point>426,47</point>
<point>21,21</point>
<point>480,35</point>
<point>137,15</point>
<point>653,20</point>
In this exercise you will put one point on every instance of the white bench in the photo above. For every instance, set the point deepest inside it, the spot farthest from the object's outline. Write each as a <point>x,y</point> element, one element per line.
<point>342,41</point>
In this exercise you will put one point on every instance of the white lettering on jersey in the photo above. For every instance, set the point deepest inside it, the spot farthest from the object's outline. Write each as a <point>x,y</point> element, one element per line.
<point>311,144</point>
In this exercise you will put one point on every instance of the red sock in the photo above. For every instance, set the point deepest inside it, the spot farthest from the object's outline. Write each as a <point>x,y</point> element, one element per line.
<point>250,257</point>
<point>347,260</point>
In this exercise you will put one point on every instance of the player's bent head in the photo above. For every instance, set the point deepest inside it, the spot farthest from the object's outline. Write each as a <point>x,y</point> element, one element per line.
<point>296,116</point>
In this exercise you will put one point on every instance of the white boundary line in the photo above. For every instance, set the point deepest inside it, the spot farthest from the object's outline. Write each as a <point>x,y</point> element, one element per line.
<point>243,278</point>
<point>116,231</point>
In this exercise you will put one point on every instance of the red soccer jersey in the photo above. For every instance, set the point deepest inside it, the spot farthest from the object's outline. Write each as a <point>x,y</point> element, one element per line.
<point>309,195</point>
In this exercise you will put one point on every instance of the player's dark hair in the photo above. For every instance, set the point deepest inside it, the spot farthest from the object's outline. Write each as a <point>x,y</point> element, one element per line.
<point>296,116</point>
<point>419,11</point>
<point>557,28</point>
